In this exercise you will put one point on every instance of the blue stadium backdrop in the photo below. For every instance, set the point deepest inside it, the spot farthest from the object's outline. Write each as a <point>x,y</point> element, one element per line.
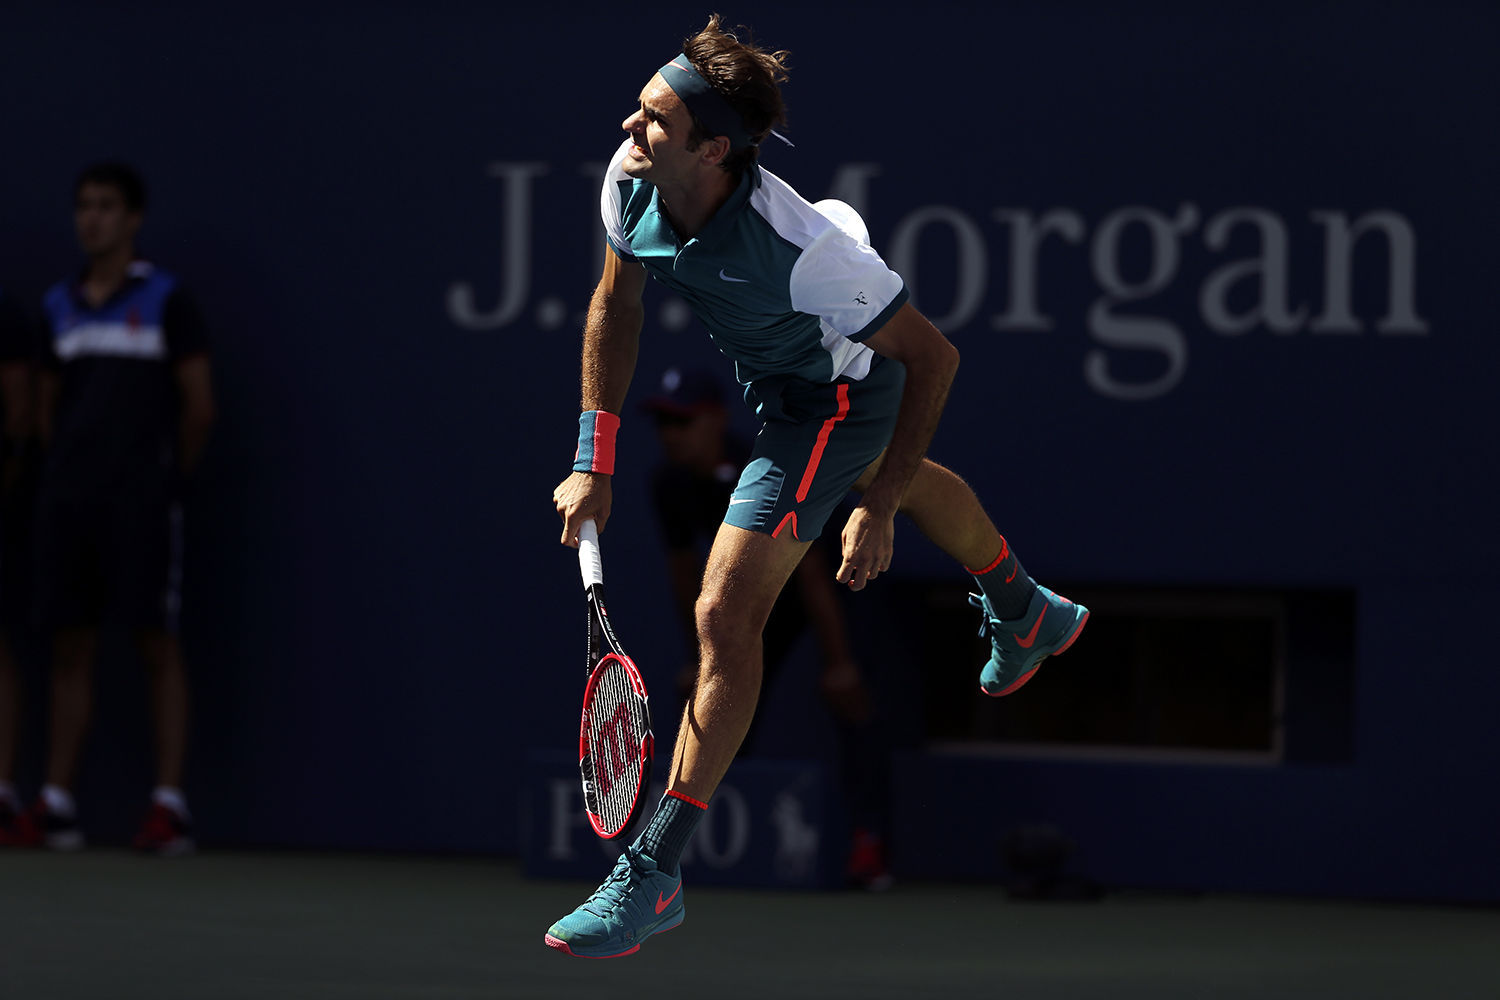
<point>1223,279</point>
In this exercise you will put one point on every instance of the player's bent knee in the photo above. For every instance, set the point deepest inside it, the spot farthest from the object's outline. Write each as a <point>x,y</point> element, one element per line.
<point>723,627</point>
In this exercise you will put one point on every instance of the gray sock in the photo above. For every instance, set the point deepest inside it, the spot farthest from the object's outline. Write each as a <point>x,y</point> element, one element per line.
<point>669,831</point>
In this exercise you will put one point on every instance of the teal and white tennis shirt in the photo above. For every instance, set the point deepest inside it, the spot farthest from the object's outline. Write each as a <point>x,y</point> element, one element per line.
<point>783,290</point>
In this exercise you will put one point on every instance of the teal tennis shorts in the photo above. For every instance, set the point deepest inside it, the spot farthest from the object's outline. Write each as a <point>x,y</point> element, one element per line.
<point>816,440</point>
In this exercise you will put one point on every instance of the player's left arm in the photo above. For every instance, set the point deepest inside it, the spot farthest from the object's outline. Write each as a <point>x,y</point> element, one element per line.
<point>187,346</point>
<point>931,361</point>
<point>195,396</point>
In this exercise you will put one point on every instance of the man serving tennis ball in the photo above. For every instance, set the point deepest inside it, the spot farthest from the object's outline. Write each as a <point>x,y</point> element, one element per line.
<point>850,382</point>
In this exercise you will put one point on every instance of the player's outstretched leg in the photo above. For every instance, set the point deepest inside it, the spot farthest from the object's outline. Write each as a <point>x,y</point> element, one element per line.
<point>635,902</point>
<point>1025,623</point>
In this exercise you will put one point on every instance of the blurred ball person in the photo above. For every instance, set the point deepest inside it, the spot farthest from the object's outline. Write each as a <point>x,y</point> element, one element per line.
<point>125,408</point>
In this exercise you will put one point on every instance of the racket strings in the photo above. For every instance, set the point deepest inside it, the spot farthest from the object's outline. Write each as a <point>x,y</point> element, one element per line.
<point>617,724</point>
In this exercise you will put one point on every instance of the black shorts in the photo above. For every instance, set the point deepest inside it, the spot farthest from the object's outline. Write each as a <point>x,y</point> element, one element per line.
<point>115,561</point>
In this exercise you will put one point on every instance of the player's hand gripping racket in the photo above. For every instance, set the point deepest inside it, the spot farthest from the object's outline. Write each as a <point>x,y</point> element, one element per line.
<point>614,739</point>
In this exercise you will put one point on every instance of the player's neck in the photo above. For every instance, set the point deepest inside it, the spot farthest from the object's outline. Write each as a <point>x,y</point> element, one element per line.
<point>689,207</point>
<point>106,273</point>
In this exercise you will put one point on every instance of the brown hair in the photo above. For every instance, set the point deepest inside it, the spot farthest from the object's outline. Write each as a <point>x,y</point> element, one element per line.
<point>746,76</point>
<point>121,176</point>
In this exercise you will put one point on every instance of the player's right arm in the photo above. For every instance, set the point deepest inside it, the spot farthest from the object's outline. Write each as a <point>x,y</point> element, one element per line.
<point>611,341</point>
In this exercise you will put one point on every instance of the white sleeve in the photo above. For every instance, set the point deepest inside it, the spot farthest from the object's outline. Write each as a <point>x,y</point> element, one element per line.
<point>846,284</point>
<point>611,203</point>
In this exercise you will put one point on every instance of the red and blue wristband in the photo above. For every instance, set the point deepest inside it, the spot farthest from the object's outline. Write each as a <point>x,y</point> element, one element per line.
<point>596,442</point>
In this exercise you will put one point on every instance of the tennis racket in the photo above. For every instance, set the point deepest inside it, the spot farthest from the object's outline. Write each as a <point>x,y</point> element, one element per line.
<point>615,743</point>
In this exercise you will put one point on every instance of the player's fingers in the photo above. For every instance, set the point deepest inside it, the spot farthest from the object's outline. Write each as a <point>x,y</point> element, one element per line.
<point>572,524</point>
<point>846,571</point>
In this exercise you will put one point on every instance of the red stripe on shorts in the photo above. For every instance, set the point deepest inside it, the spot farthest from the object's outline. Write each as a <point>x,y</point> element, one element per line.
<point>817,452</point>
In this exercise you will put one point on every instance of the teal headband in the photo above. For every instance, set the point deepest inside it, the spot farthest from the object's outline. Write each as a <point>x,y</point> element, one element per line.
<point>706,103</point>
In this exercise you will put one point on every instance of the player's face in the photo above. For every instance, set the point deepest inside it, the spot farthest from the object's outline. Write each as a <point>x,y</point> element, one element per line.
<point>103,221</point>
<point>660,128</point>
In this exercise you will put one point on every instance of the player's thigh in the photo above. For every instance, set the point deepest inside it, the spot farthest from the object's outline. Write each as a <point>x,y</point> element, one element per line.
<point>145,563</point>
<point>745,573</point>
<point>67,559</point>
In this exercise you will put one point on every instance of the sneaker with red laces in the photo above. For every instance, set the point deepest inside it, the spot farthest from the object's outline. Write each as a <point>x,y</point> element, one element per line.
<point>166,832</point>
<point>41,827</point>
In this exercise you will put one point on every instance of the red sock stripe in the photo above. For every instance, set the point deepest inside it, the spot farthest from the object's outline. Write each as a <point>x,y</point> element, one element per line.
<point>686,798</point>
<point>817,454</point>
<point>1004,551</point>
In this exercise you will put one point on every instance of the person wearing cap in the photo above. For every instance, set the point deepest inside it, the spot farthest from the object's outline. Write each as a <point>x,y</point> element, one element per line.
<point>849,381</point>
<point>702,458</point>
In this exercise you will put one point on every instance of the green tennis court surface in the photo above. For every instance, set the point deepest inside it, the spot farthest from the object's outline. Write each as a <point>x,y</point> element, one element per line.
<point>223,926</point>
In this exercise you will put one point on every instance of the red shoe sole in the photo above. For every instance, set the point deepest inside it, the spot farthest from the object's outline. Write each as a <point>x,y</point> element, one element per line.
<point>562,946</point>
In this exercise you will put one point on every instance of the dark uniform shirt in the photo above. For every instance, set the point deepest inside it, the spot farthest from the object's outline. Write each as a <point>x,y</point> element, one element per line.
<point>117,412</point>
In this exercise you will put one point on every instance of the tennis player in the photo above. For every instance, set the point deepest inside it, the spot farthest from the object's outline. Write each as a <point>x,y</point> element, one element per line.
<point>849,381</point>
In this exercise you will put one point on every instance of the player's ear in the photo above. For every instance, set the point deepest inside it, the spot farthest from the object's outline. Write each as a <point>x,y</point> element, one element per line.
<point>715,150</point>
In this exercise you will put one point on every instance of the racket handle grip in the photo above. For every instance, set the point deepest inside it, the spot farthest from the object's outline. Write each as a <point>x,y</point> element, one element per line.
<point>589,560</point>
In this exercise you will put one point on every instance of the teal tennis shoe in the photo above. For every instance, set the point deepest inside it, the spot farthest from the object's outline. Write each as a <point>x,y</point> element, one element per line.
<point>1018,647</point>
<point>635,902</point>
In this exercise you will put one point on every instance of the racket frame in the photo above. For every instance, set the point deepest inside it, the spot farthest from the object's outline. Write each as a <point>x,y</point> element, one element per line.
<point>604,652</point>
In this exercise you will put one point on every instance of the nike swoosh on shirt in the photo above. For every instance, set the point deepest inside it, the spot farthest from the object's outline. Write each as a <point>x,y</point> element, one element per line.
<point>662,904</point>
<point>735,500</point>
<point>725,277</point>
